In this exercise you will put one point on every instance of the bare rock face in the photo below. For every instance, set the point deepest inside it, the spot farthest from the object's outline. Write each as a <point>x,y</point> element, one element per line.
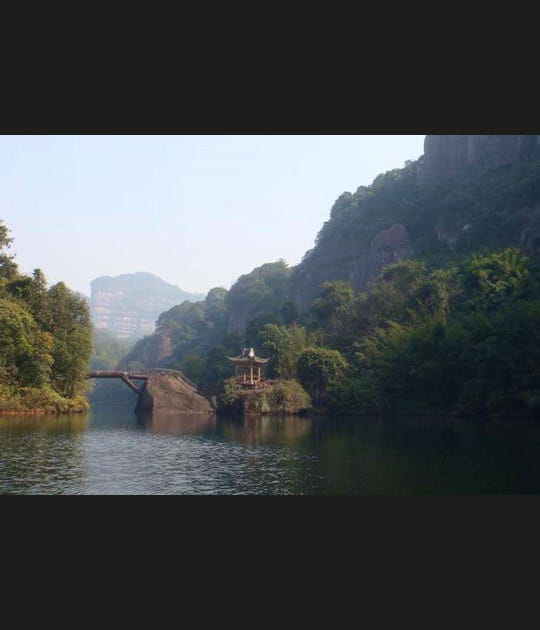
<point>342,257</point>
<point>337,264</point>
<point>164,347</point>
<point>347,260</point>
<point>448,155</point>
<point>170,393</point>
<point>388,247</point>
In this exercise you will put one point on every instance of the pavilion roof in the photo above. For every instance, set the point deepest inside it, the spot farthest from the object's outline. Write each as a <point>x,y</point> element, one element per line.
<point>247,357</point>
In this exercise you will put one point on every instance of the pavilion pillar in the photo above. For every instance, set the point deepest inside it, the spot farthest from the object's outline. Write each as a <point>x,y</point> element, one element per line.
<point>251,374</point>
<point>258,373</point>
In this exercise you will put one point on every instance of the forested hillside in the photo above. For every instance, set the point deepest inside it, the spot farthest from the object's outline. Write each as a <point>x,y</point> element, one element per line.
<point>419,212</point>
<point>421,293</point>
<point>191,337</point>
<point>45,340</point>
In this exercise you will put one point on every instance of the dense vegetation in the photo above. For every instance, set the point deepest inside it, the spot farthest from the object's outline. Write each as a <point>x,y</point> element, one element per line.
<point>454,329</point>
<point>465,339</point>
<point>45,340</point>
<point>258,296</point>
<point>445,218</point>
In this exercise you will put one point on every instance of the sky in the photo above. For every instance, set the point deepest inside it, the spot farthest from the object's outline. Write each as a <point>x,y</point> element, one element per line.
<point>197,211</point>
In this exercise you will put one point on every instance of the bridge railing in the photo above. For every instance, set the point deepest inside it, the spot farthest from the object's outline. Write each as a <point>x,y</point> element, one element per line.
<point>140,374</point>
<point>176,373</point>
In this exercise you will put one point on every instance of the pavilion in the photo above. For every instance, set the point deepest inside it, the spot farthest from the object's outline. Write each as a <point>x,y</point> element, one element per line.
<point>245,365</point>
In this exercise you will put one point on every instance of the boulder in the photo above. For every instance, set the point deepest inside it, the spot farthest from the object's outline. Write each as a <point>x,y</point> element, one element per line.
<point>164,392</point>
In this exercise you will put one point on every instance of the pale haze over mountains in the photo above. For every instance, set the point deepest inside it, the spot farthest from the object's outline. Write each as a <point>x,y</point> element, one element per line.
<point>196,211</point>
<point>128,306</point>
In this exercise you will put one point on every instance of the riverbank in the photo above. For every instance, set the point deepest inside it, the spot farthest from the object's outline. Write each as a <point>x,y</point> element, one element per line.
<point>38,401</point>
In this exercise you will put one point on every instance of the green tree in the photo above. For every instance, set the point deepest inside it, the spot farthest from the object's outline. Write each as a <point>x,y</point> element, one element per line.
<point>25,350</point>
<point>8,268</point>
<point>263,290</point>
<point>490,280</point>
<point>284,344</point>
<point>193,366</point>
<point>38,300</point>
<point>333,314</point>
<point>336,298</point>
<point>217,369</point>
<point>256,325</point>
<point>216,314</point>
<point>72,340</point>
<point>318,368</point>
<point>289,313</point>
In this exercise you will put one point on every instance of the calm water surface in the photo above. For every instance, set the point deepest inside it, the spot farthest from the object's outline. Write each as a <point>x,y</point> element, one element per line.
<point>111,451</point>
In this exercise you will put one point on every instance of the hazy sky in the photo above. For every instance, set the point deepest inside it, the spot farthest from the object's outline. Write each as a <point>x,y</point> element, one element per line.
<point>197,211</point>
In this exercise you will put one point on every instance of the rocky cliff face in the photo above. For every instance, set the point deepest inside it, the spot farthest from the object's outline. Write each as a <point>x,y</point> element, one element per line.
<point>127,306</point>
<point>449,155</point>
<point>399,215</point>
<point>349,260</point>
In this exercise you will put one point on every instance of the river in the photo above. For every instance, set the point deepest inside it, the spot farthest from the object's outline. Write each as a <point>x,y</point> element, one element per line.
<point>111,451</point>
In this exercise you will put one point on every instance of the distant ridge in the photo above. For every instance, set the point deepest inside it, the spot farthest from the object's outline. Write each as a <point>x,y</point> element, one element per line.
<point>127,306</point>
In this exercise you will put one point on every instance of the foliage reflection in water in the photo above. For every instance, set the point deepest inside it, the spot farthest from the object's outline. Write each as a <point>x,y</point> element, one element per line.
<point>112,451</point>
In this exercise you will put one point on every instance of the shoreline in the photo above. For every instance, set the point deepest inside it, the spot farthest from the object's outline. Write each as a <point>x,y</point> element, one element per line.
<point>42,412</point>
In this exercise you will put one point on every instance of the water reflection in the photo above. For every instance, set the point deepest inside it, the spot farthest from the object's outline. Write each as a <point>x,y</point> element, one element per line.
<point>112,451</point>
<point>70,423</point>
<point>42,454</point>
<point>265,430</point>
<point>177,423</point>
<point>109,415</point>
<point>427,455</point>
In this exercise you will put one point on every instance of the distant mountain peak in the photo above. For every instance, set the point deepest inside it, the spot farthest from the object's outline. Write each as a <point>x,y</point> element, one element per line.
<point>128,305</point>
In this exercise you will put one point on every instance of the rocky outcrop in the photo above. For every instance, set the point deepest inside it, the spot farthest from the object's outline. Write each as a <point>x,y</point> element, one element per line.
<point>128,306</point>
<point>170,393</point>
<point>345,258</point>
<point>341,257</point>
<point>449,155</point>
<point>388,247</point>
<point>281,397</point>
